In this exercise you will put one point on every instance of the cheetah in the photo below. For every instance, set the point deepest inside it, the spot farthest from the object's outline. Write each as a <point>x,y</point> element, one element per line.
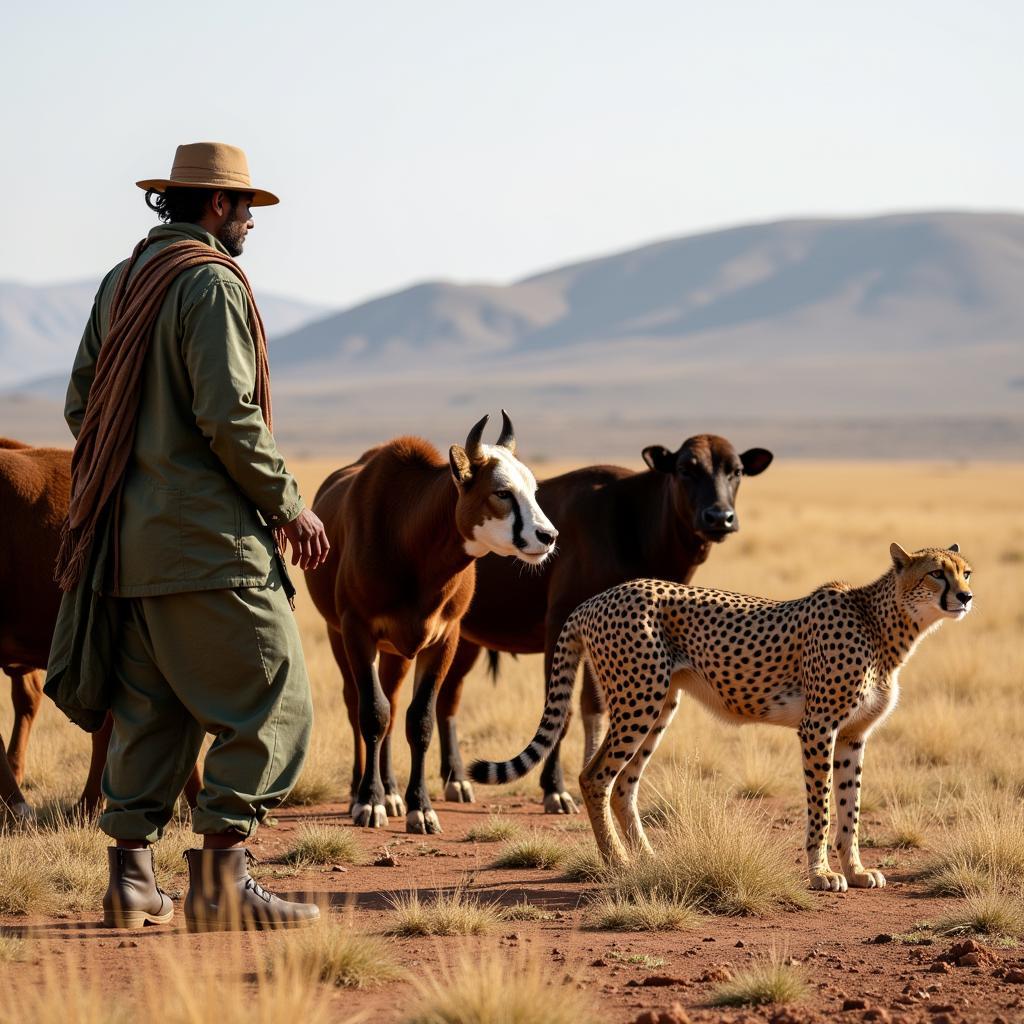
<point>825,665</point>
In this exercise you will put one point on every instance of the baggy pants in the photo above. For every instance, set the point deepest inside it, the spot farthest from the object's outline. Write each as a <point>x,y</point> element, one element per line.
<point>227,662</point>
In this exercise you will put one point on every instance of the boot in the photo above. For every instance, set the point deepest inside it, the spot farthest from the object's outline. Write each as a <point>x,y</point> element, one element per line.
<point>223,896</point>
<point>133,899</point>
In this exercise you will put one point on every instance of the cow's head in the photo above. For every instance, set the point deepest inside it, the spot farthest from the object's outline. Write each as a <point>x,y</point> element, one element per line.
<point>703,477</point>
<point>497,506</point>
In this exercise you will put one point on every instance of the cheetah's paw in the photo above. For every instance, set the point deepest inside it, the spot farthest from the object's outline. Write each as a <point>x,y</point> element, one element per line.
<point>422,822</point>
<point>370,815</point>
<point>459,791</point>
<point>866,878</point>
<point>828,881</point>
<point>559,803</point>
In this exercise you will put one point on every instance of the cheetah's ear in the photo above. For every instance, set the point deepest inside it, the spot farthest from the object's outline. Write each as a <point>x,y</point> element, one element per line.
<point>900,558</point>
<point>955,548</point>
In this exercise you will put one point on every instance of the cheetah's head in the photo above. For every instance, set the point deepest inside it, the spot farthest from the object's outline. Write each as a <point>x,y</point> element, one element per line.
<point>933,583</point>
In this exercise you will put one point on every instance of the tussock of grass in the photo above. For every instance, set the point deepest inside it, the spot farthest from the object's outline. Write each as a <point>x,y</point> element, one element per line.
<point>768,980</point>
<point>583,864</point>
<point>985,849</point>
<point>317,843</point>
<point>12,949</point>
<point>994,912</point>
<point>909,823</point>
<point>445,913</point>
<point>336,954</point>
<point>712,854</point>
<point>534,849</point>
<point>496,829</point>
<point>526,911</point>
<point>641,913</point>
<point>319,782</point>
<point>488,988</point>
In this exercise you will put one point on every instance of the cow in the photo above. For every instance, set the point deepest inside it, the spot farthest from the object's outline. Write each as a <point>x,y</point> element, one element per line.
<point>35,486</point>
<point>616,525</point>
<point>406,529</point>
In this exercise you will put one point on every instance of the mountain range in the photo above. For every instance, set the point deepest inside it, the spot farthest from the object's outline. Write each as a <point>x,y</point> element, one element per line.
<point>912,319</point>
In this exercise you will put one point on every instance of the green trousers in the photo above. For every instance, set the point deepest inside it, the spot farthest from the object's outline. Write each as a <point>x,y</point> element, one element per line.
<point>226,662</point>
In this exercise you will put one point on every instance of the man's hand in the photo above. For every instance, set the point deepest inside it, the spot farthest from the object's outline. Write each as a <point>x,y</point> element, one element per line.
<point>308,540</point>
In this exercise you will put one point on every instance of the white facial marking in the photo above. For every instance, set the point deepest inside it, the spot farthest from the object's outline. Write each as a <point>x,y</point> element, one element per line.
<point>525,520</point>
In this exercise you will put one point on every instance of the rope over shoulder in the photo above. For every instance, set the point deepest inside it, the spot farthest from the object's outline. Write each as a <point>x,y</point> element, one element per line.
<point>105,440</point>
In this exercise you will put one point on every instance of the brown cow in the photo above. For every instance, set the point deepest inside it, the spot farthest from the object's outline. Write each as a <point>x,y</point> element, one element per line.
<point>35,485</point>
<point>616,525</point>
<point>406,528</point>
<point>34,488</point>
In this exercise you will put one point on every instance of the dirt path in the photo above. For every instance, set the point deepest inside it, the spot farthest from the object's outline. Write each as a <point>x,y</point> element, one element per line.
<point>844,942</point>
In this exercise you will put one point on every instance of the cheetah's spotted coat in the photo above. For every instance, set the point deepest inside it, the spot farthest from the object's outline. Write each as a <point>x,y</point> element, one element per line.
<point>825,664</point>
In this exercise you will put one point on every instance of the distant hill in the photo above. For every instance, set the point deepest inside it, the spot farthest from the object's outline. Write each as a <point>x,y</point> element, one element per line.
<point>901,334</point>
<point>40,325</point>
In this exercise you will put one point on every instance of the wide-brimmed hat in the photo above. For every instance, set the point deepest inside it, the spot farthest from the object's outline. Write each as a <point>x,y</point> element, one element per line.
<point>210,165</point>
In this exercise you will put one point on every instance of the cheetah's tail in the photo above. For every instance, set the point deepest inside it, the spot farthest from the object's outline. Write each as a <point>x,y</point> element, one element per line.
<point>564,666</point>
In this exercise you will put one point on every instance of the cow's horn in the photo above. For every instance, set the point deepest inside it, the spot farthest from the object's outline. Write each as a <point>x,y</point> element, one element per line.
<point>508,433</point>
<point>473,441</point>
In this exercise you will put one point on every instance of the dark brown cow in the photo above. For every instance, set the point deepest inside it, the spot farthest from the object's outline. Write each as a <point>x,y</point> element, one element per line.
<point>34,488</point>
<point>35,485</point>
<point>616,525</point>
<point>406,528</point>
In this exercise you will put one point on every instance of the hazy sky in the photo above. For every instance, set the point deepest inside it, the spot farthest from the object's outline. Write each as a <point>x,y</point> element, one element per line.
<point>473,140</point>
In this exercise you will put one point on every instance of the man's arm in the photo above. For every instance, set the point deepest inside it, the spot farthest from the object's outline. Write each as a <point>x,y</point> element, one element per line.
<point>220,355</point>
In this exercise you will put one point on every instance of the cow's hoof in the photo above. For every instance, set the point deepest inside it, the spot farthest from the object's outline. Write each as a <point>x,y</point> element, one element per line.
<point>370,815</point>
<point>559,803</point>
<point>394,804</point>
<point>422,823</point>
<point>21,815</point>
<point>459,791</point>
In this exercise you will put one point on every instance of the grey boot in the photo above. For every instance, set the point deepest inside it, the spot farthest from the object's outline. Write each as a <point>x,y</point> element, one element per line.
<point>223,896</point>
<point>133,899</point>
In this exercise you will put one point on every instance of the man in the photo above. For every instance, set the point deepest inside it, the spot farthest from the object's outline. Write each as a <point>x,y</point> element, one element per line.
<point>176,538</point>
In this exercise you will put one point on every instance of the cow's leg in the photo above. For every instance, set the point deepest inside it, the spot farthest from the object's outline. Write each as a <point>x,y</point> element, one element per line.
<point>26,696</point>
<point>392,671</point>
<point>12,799</point>
<point>92,796</point>
<point>432,664</point>
<point>457,787</point>
<point>374,715</point>
<point>592,711</point>
<point>351,694</point>
<point>556,798</point>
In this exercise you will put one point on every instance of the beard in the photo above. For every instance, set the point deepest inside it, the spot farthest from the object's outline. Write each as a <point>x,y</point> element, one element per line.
<point>232,236</point>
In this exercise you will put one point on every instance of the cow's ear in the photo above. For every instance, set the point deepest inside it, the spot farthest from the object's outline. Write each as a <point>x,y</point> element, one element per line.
<point>756,460</point>
<point>462,468</point>
<point>659,458</point>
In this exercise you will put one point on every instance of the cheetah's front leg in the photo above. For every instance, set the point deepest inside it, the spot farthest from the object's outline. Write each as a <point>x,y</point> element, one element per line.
<point>848,762</point>
<point>817,742</point>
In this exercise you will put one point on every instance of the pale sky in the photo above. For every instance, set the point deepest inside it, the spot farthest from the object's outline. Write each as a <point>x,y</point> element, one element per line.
<point>472,140</point>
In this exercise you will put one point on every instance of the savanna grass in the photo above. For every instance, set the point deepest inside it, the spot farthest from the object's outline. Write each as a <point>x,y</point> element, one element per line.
<point>336,954</point>
<point>496,829</point>
<point>641,912</point>
<point>769,980</point>
<point>534,849</point>
<point>995,912</point>
<point>488,988</point>
<point>712,854</point>
<point>316,843</point>
<point>444,913</point>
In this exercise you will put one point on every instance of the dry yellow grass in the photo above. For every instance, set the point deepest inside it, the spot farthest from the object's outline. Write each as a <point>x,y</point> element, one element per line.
<point>952,743</point>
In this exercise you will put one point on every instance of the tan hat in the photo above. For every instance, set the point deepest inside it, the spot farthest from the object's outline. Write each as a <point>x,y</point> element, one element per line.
<point>210,165</point>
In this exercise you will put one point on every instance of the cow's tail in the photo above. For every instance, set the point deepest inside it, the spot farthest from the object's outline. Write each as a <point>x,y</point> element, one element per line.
<point>564,666</point>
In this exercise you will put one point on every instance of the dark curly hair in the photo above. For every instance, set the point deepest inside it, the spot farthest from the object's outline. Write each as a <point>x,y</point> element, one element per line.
<point>185,204</point>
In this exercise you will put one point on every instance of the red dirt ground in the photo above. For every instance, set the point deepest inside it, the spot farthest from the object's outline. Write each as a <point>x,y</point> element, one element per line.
<point>845,943</point>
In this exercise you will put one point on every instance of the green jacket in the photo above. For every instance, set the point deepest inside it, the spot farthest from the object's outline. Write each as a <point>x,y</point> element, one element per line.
<point>205,477</point>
